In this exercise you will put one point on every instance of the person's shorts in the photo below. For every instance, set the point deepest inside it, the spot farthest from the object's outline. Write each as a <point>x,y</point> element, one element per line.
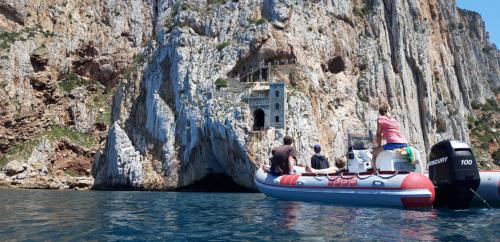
<point>393,146</point>
<point>273,173</point>
<point>296,170</point>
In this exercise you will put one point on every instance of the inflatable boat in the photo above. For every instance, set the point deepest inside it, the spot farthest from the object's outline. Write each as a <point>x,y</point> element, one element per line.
<point>488,190</point>
<point>385,189</point>
<point>452,180</point>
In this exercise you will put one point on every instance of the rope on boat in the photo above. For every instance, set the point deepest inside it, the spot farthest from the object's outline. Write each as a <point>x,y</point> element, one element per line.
<point>387,177</point>
<point>318,177</point>
<point>482,199</point>
<point>363,178</point>
<point>330,178</point>
<point>341,175</point>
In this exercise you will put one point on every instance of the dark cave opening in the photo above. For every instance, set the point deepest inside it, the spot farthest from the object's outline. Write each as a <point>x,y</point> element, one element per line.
<point>215,183</point>
<point>259,119</point>
<point>336,65</point>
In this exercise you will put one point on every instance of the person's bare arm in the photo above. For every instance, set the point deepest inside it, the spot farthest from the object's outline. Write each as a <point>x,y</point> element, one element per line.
<point>291,162</point>
<point>379,135</point>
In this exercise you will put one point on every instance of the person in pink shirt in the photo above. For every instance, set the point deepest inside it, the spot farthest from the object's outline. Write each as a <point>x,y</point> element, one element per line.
<point>388,128</point>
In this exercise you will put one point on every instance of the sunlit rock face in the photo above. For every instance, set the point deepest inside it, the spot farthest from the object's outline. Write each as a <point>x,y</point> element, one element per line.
<point>60,62</point>
<point>179,114</point>
<point>427,59</point>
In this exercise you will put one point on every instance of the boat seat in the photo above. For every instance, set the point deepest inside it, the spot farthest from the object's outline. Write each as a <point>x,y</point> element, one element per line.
<point>393,160</point>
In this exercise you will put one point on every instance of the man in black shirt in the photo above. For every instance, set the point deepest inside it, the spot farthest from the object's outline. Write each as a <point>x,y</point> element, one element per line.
<point>284,157</point>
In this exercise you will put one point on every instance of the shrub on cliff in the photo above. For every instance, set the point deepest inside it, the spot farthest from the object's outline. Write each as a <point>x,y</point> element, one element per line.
<point>223,45</point>
<point>220,82</point>
<point>475,105</point>
<point>491,105</point>
<point>71,81</point>
<point>216,1</point>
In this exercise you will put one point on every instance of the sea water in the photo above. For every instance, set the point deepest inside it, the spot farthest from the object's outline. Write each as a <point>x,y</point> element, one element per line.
<point>43,215</point>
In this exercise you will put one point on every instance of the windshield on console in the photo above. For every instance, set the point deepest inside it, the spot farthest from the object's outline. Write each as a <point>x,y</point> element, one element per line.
<point>360,142</point>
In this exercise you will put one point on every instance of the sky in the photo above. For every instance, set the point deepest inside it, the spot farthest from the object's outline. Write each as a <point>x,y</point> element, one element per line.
<point>490,10</point>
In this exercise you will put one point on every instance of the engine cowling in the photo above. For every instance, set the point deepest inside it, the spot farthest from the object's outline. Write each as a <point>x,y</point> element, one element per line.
<point>453,170</point>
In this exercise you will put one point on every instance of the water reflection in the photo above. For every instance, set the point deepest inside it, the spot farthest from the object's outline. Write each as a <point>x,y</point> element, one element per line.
<point>288,214</point>
<point>417,225</point>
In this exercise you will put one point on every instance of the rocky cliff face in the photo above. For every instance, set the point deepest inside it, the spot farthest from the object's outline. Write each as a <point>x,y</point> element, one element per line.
<point>59,64</point>
<point>171,122</point>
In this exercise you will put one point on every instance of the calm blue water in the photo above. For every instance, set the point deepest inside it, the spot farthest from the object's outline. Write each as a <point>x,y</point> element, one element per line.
<point>118,216</point>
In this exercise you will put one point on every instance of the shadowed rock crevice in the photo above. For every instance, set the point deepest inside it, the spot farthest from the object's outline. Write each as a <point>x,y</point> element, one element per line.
<point>11,12</point>
<point>219,182</point>
<point>39,59</point>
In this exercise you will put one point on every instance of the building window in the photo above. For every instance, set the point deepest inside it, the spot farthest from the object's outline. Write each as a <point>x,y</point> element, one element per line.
<point>277,106</point>
<point>277,93</point>
<point>277,118</point>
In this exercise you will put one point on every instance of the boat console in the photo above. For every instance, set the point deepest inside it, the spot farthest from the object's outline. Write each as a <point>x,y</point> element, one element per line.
<point>359,157</point>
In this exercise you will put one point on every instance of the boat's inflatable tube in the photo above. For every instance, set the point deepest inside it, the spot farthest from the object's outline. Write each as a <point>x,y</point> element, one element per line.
<point>489,189</point>
<point>387,189</point>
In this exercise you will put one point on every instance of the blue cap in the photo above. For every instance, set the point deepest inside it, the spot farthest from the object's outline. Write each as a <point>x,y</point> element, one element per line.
<point>317,148</point>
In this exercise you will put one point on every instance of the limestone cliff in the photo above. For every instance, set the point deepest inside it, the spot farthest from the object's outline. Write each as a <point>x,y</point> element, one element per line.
<point>179,111</point>
<point>59,64</point>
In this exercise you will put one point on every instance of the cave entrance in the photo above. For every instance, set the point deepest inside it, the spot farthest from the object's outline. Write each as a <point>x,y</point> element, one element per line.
<point>336,65</point>
<point>215,182</point>
<point>258,119</point>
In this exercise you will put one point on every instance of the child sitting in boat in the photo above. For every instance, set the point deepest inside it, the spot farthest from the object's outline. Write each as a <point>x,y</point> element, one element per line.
<point>390,129</point>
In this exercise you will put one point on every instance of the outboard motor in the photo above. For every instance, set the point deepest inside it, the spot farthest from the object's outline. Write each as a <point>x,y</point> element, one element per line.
<point>454,173</point>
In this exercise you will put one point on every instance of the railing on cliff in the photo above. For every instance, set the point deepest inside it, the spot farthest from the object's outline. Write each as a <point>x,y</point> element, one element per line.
<point>262,72</point>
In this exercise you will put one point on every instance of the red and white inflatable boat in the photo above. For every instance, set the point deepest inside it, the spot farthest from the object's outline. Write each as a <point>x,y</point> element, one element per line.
<point>453,181</point>
<point>385,189</point>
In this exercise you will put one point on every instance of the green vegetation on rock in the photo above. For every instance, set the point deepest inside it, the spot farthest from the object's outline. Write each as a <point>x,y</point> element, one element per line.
<point>223,45</point>
<point>361,11</point>
<point>23,150</point>
<point>8,38</point>
<point>257,21</point>
<point>101,102</point>
<point>220,82</point>
<point>3,84</point>
<point>490,105</point>
<point>20,151</point>
<point>139,60</point>
<point>216,2</point>
<point>82,139</point>
<point>72,81</point>
<point>72,173</point>
<point>363,98</point>
<point>484,127</point>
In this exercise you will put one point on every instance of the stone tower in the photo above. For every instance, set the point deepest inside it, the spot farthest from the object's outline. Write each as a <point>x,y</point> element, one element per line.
<point>277,106</point>
<point>268,105</point>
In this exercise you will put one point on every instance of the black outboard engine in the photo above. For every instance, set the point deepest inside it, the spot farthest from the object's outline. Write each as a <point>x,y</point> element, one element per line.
<point>453,171</point>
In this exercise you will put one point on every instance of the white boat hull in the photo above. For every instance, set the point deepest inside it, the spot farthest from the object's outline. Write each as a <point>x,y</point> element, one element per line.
<point>384,190</point>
